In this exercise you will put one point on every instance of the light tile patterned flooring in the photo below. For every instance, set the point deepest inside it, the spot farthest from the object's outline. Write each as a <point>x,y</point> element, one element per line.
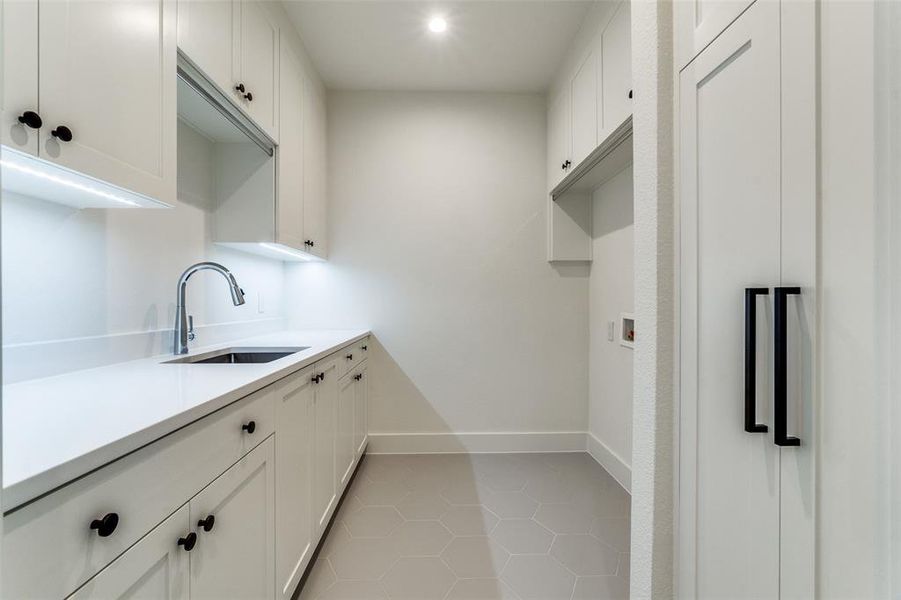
<point>477,527</point>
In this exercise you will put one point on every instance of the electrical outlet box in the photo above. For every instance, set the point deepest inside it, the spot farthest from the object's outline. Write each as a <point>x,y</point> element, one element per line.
<point>627,330</point>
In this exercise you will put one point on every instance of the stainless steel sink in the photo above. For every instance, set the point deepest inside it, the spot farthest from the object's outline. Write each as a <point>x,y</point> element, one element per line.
<point>239,355</point>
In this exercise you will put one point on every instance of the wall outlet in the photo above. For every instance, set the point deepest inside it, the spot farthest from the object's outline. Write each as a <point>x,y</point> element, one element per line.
<point>611,330</point>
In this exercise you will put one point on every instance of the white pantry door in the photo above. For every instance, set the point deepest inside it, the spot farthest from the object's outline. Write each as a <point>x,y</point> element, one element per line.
<point>729,480</point>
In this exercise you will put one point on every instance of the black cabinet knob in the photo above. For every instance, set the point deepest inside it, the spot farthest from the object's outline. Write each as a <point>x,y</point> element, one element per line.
<point>188,541</point>
<point>31,118</point>
<point>249,427</point>
<point>106,525</point>
<point>207,524</point>
<point>240,88</point>
<point>358,377</point>
<point>62,133</point>
<point>630,94</point>
<point>349,357</point>
<point>248,96</point>
<point>364,348</point>
<point>315,378</point>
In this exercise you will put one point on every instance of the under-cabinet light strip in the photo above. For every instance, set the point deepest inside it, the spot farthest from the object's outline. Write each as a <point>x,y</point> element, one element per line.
<point>68,183</point>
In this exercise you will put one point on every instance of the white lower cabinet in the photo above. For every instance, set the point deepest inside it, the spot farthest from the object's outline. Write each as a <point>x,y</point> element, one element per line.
<point>344,440</point>
<point>293,454</point>
<point>232,506</point>
<point>325,405</point>
<point>234,520</point>
<point>156,568</point>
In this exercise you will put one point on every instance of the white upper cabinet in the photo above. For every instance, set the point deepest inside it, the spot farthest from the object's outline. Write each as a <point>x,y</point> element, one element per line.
<point>99,81</point>
<point>616,72</point>
<point>235,44</point>
<point>289,204</point>
<point>584,98</point>
<point>207,34</point>
<point>697,23</point>
<point>19,116</point>
<point>259,66</point>
<point>558,138</point>
<point>315,217</point>
<point>234,555</point>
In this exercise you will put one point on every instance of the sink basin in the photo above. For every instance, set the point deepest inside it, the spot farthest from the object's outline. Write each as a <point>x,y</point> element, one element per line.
<point>238,356</point>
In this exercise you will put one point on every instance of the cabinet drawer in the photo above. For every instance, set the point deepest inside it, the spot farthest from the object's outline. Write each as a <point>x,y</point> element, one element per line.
<point>352,355</point>
<point>49,548</point>
<point>362,349</point>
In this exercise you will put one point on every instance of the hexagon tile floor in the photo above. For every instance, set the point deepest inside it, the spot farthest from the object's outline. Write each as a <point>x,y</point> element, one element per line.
<point>477,527</point>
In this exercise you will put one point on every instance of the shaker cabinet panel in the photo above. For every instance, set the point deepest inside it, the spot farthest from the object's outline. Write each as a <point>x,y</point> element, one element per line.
<point>314,154</point>
<point>697,23</point>
<point>361,410</point>
<point>156,568</point>
<point>584,98</point>
<point>107,91</point>
<point>325,427</point>
<point>558,136</point>
<point>207,35</point>
<point>235,558</point>
<point>259,66</point>
<point>616,71</point>
<point>344,438</point>
<point>19,89</point>
<point>290,168</point>
<point>293,462</point>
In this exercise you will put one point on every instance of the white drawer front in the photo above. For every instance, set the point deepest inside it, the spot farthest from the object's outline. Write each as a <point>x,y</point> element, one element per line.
<point>49,548</point>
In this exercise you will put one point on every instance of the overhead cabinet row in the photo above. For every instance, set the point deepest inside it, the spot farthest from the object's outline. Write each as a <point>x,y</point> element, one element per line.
<point>90,88</point>
<point>595,100</point>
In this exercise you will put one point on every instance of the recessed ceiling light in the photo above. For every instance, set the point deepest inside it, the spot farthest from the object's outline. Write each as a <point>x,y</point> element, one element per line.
<point>437,25</point>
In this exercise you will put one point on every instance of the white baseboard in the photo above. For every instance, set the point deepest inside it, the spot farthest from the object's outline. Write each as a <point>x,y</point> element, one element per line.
<point>476,443</point>
<point>611,462</point>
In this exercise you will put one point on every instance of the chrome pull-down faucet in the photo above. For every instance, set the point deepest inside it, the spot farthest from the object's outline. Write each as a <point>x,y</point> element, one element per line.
<point>184,325</point>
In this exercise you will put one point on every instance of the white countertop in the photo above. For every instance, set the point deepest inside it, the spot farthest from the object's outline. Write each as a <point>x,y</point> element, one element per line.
<point>59,428</point>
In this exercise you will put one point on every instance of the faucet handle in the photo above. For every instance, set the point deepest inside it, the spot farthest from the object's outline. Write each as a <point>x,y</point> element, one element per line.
<point>191,335</point>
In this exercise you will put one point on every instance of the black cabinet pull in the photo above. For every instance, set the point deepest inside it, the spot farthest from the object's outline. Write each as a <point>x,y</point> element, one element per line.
<point>249,427</point>
<point>31,118</point>
<point>751,424</point>
<point>106,525</point>
<point>188,541</point>
<point>358,377</point>
<point>207,524</point>
<point>239,88</point>
<point>322,377</point>
<point>315,378</point>
<point>349,357</point>
<point>780,396</point>
<point>62,133</point>
<point>248,96</point>
<point>630,94</point>
<point>364,348</point>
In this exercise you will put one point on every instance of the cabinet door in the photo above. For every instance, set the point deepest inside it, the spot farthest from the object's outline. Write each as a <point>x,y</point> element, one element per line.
<point>107,73</point>
<point>293,451</point>
<point>207,35</point>
<point>315,219</point>
<point>361,410</point>
<point>730,240</point>
<point>344,439</point>
<point>290,167</point>
<point>19,76</point>
<point>584,108</point>
<point>558,137</point>
<point>156,568</point>
<point>325,425</point>
<point>259,66</point>
<point>236,558</point>
<point>698,23</point>
<point>616,53</point>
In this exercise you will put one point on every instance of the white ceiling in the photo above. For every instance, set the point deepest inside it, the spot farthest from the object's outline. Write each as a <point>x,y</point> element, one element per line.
<point>490,45</point>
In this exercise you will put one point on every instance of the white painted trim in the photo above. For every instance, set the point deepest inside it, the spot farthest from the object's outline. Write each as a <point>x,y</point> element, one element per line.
<point>476,443</point>
<point>610,461</point>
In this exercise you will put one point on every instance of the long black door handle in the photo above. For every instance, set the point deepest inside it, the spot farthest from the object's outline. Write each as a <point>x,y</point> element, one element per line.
<point>751,424</point>
<point>780,397</point>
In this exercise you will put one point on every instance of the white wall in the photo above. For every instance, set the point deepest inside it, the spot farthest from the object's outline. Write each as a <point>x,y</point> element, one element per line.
<point>611,292</point>
<point>74,274</point>
<point>437,229</point>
